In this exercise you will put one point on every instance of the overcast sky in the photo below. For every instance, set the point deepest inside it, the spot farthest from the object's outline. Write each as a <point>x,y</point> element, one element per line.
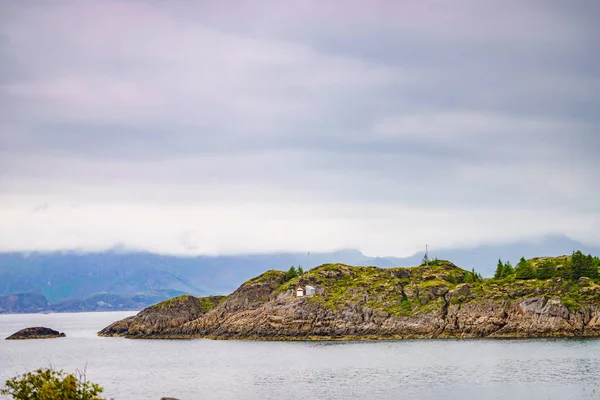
<point>216,127</point>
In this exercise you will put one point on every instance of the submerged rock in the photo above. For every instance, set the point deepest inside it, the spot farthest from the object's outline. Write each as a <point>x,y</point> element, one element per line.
<point>36,333</point>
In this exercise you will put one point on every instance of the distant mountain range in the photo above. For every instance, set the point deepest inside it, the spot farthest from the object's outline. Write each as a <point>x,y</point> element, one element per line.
<point>76,281</point>
<point>38,303</point>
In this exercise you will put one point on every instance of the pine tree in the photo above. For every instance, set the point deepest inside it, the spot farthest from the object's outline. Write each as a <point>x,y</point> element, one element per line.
<point>508,269</point>
<point>499,270</point>
<point>291,273</point>
<point>582,265</point>
<point>546,270</point>
<point>300,271</point>
<point>525,269</point>
<point>591,268</point>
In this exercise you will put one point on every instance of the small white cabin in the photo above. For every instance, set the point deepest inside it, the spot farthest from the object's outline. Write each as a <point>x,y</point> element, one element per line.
<point>310,291</point>
<point>299,291</point>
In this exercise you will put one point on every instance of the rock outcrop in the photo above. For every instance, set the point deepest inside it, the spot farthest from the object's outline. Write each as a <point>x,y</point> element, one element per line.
<point>375,303</point>
<point>35,333</point>
<point>163,318</point>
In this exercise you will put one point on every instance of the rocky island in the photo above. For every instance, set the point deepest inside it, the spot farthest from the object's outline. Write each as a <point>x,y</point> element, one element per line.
<point>36,333</point>
<point>542,297</point>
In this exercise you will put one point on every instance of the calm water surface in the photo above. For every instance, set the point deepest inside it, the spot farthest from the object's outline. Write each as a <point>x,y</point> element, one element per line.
<point>205,369</point>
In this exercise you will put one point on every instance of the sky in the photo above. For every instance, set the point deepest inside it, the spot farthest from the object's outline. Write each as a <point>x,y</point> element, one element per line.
<point>222,127</point>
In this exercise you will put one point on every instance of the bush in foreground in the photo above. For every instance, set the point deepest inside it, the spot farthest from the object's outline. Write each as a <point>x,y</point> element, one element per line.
<point>49,384</point>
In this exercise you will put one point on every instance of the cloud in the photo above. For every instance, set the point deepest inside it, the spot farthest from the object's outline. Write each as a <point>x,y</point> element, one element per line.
<point>197,128</point>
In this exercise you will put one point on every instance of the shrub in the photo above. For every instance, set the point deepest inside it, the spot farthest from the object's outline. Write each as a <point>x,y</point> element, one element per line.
<point>451,278</point>
<point>49,384</point>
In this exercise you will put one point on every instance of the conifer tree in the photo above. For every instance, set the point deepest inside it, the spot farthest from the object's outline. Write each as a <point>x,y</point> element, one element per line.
<point>499,270</point>
<point>582,265</point>
<point>508,269</point>
<point>546,270</point>
<point>525,269</point>
<point>291,273</point>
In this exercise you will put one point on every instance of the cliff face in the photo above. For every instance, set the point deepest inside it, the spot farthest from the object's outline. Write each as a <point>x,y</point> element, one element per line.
<point>370,302</point>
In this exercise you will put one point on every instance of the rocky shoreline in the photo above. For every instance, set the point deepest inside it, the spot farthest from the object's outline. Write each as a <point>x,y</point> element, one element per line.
<point>370,303</point>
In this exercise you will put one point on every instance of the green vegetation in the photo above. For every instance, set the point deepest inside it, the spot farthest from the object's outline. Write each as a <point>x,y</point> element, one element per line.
<point>546,269</point>
<point>472,277</point>
<point>49,384</point>
<point>396,291</point>
<point>573,267</point>
<point>422,289</point>
<point>291,273</point>
<point>503,270</point>
<point>206,303</point>
<point>270,275</point>
<point>584,266</point>
<point>524,269</point>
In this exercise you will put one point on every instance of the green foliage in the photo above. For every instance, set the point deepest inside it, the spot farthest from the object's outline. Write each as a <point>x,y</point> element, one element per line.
<point>404,292</point>
<point>472,277</point>
<point>499,274</point>
<point>291,273</point>
<point>564,270</point>
<point>300,271</point>
<point>503,270</point>
<point>469,278</point>
<point>476,276</point>
<point>582,265</point>
<point>49,384</point>
<point>508,269</point>
<point>546,270</point>
<point>451,278</point>
<point>525,270</point>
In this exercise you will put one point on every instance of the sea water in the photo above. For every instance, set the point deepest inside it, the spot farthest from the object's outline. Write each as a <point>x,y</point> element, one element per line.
<point>206,369</point>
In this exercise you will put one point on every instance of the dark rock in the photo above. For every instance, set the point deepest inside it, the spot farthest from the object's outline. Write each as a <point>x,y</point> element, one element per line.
<point>36,333</point>
<point>401,273</point>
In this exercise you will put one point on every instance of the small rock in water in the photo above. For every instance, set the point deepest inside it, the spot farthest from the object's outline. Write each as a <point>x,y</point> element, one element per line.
<point>35,333</point>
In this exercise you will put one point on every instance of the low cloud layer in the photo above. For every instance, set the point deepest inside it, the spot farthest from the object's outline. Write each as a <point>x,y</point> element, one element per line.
<point>227,127</point>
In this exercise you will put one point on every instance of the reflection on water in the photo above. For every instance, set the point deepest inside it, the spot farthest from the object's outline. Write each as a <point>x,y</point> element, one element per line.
<point>205,369</point>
